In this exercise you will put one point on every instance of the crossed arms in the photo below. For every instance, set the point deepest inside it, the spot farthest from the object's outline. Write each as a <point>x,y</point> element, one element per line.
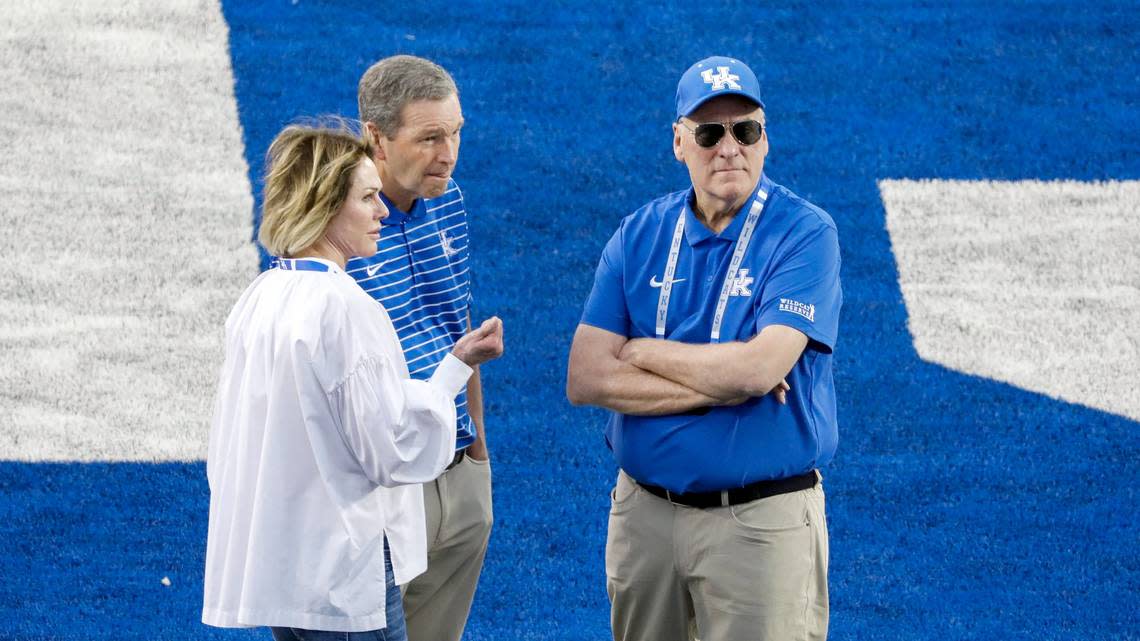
<point>649,377</point>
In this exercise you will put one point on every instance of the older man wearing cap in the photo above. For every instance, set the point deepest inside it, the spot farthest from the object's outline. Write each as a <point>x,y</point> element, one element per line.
<point>709,334</point>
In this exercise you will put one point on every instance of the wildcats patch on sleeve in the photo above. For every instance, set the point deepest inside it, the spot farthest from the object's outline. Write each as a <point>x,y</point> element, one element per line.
<point>796,307</point>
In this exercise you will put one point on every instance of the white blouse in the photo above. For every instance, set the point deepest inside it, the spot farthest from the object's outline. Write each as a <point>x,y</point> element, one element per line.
<point>318,445</point>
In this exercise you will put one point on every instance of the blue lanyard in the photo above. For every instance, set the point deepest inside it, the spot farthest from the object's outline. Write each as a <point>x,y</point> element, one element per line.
<point>301,265</point>
<point>753,217</point>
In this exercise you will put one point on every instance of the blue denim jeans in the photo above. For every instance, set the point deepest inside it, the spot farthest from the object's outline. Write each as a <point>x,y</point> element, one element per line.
<point>393,611</point>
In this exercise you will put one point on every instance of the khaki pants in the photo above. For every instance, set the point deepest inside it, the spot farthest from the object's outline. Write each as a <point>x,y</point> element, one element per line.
<point>750,572</point>
<point>458,510</point>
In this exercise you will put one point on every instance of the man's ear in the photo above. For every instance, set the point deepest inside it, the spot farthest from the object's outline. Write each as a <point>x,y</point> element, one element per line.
<point>372,132</point>
<point>677,142</point>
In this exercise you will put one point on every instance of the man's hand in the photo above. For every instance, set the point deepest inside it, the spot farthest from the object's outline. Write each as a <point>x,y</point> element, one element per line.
<point>781,391</point>
<point>481,345</point>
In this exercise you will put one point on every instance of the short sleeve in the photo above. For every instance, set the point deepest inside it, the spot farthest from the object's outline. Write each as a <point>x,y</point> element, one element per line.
<point>606,306</point>
<point>804,291</point>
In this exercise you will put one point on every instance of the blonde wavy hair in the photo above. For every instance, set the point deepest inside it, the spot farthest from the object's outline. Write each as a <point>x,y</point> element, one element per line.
<point>308,175</point>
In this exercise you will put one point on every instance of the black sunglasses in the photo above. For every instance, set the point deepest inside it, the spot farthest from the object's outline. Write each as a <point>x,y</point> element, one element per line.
<point>746,132</point>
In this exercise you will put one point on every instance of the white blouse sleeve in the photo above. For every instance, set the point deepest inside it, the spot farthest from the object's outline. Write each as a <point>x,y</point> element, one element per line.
<point>400,430</point>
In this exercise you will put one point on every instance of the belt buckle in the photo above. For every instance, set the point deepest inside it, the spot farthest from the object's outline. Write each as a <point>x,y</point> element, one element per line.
<point>724,500</point>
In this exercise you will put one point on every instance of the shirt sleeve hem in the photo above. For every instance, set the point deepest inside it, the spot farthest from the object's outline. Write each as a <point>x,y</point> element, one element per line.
<point>610,325</point>
<point>816,339</point>
<point>451,375</point>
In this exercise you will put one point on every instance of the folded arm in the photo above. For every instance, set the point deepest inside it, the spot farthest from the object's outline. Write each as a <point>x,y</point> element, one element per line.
<point>596,376</point>
<point>721,370</point>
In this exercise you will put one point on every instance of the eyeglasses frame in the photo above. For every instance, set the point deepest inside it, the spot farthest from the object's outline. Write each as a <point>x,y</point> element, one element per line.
<point>728,129</point>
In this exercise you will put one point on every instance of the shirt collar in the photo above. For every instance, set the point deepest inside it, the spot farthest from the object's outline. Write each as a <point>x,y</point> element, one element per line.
<point>333,267</point>
<point>695,230</point>
<point>397,216</point>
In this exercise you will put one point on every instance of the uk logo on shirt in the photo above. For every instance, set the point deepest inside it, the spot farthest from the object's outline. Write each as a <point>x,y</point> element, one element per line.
<point>741,284</point>
<point>447,243</point>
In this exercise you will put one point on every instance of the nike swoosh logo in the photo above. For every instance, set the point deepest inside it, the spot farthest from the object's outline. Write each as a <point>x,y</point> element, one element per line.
<point>372,269</point>
<point>653,282</point>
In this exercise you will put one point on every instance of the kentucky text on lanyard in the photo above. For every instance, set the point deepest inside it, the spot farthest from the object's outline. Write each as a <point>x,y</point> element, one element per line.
<point>733,266</point>
<point>301,265</point>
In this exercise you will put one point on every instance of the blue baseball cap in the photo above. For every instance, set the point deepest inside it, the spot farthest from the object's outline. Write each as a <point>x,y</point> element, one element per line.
<point>712,77</point>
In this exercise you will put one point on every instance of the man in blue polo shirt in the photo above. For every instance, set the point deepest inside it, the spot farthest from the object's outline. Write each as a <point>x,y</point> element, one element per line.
<point>709,334</point>
<point>411,113</point>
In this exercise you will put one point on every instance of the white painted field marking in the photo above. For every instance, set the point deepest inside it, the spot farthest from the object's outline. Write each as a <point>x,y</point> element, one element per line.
<point>125,213</point>
<point>1036,284</point>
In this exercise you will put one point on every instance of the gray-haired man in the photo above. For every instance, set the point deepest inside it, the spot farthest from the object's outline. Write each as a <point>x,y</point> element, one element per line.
<point>411,113</point>
<point>708,303</point>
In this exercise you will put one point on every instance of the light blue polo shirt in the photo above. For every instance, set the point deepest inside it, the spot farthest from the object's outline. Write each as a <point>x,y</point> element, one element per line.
<point>789,276</point>
<point>420,275</point>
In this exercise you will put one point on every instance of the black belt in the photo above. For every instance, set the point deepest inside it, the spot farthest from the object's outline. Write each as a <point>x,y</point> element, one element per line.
<point>751,492</point>
<point>457,460</point>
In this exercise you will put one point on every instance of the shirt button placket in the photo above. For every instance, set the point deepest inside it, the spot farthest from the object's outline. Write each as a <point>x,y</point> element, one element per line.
<point>410,253</point>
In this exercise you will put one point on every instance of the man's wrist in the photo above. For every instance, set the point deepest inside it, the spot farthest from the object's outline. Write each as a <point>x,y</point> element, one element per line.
<point>477,449</point>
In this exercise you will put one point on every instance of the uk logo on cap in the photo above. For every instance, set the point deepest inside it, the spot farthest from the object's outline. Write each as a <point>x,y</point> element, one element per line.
<point>722,79</point>
<point>712,77</point>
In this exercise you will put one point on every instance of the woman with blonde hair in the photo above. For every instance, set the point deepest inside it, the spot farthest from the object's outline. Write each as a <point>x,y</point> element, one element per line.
<point>319,438</point>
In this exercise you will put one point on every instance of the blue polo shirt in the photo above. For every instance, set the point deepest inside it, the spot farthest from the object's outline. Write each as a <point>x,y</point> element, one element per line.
<point>789,276</point>
<point>420,275</point>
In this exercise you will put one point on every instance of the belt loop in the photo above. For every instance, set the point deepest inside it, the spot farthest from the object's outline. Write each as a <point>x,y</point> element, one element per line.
<point>724,498</point>
<point>669,497</point>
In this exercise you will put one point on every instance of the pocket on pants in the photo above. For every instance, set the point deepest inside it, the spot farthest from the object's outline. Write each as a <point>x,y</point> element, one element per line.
<point>774,514</point>
<point>485,462</point>
<point>470,495</point>
<point>623,494</point>
<point>764,564</point>
<point>621,540</point>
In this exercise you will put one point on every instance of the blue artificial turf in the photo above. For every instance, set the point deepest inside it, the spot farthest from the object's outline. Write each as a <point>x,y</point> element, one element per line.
<point>959,507</point>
